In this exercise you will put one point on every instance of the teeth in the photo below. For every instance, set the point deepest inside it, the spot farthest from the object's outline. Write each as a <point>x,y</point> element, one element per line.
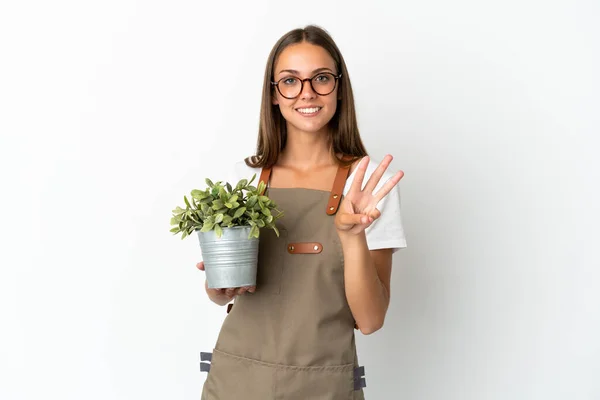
<point>309,110</point>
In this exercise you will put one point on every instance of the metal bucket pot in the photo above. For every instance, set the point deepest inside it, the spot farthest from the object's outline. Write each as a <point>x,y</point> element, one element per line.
<point>230,261</point>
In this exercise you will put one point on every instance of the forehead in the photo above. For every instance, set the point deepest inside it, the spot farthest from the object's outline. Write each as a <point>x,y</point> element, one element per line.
<point>305,58</point>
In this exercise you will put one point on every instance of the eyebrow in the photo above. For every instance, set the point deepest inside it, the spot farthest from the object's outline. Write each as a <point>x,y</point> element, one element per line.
<point>293,71</point>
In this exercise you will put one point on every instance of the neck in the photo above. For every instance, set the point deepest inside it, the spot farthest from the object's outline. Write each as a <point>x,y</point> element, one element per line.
<point>305,150</point>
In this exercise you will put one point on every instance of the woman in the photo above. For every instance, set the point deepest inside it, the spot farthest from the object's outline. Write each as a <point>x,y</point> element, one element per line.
<point>292,336</point>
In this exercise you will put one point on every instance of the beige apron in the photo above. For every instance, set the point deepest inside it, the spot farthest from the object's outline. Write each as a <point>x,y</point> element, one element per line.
<point>293,338</point>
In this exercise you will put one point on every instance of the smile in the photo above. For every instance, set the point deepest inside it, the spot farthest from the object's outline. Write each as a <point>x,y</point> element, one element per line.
<point>309,112</point>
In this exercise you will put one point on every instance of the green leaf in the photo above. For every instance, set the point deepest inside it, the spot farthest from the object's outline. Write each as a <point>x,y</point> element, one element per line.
<point>229,188</point>
<point>261,187</point>
<point>239,212</point>
<point>198,194</point>
<point>254,231</point>
<point>209,182</point>
<point>178,210</point>
<point>219,219</point>
<point>252,201</point>
<point>175,230</point>
<point>206,200</point>
<point>218,230</point>
<point>276,231</point>
<point>207,227</point>
<point>183,235</point>
<point>241,184</point>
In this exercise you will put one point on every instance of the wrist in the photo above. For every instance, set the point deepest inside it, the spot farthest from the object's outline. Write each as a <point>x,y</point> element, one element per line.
<point>347,236</point>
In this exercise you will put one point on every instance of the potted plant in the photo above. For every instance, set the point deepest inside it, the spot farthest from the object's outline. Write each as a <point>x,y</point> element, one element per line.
<point>228,221</point>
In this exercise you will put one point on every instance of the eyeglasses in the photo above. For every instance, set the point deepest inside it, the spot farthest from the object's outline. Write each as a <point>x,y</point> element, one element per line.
<point>322,84</point>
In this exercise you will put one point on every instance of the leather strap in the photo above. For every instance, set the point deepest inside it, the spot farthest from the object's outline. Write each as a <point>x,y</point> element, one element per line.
<point>336,192</point>
<point>338,188</point>
<point>305,248</point>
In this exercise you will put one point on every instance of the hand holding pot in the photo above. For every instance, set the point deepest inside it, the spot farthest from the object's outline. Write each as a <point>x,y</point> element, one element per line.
<point>223,296</point>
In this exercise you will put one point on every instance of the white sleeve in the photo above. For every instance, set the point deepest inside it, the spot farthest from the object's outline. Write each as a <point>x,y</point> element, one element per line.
<point>387,231</point>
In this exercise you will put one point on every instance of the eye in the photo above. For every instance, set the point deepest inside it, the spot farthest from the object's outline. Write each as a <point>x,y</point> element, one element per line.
<point>289,80</point>
<point>322,78</point>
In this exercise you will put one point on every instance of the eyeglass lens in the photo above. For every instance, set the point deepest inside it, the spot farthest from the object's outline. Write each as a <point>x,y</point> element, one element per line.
<point>291,86</point>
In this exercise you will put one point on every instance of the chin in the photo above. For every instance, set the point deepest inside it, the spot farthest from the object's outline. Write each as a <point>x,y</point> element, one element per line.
<point>314,125</point>
<point>309,127</point>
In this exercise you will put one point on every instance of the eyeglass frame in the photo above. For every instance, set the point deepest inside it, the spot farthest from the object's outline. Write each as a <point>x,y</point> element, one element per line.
<point>336,77</point>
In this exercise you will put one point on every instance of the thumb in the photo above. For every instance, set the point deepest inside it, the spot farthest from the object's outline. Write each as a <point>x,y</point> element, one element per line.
<point>349,220</point>
<point>200,265</point>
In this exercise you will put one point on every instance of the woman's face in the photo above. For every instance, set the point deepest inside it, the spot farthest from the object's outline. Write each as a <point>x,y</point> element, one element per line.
<point>309,111</point>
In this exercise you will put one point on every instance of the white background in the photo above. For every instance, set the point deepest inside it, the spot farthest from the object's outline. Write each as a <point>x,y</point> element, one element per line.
<point>111,111</point>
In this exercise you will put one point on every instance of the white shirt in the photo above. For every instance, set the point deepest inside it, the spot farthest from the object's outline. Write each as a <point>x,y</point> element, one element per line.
<point>385,232</point>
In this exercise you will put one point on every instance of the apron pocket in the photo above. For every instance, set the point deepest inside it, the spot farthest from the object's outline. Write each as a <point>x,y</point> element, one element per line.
<point>270,261</point>
<point>233,377</point>
<point>315,383</point>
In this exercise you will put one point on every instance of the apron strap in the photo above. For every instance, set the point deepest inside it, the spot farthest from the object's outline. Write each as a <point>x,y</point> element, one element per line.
<point>338,187</point>
<point>336,192</point>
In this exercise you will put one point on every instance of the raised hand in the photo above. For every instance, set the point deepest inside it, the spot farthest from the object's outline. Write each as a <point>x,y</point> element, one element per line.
<point>358,209</point>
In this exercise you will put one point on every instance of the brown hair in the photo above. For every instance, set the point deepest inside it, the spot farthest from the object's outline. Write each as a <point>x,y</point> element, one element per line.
<point>272,131</point>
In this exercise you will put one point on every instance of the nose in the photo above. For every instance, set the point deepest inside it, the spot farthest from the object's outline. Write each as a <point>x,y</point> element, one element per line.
<point>307,90</point>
